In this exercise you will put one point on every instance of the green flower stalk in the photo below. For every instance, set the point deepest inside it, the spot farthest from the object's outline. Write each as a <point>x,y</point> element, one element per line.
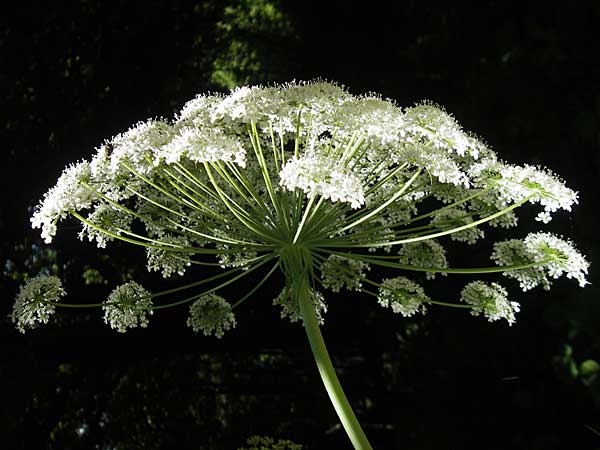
<point>317,184</point>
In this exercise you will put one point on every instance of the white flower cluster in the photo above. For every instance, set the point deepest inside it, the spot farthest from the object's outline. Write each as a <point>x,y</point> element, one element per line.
<point>338,272</point>
<point>235,178</point>
<point>403,296</point>
<point>514,183</point>
<point>291,309</point>
<point>68,194</point>
<point>321,175</point>
<point>137,145</point>
<point>454,218</point>
<point>512,252</point>
<point>564,257</point>
<point>431,123</point>
<point>127,307</point>
<point>34,303</point>
<point>105,217</point>
<point>212,315</point>
<point>201,145</point>
<point>489,300</point>
<point>168,262</point>
<point>549,255</point>
<point>427,254</point>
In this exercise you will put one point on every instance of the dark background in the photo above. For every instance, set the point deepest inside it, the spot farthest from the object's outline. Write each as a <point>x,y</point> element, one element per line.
<point>523,75</point>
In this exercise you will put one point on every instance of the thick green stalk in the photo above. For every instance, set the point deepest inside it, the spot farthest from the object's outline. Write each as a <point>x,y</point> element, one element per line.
<point>326,370</point>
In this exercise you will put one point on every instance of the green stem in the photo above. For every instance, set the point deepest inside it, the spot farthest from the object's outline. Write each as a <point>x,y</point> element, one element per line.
<point>326,370</point>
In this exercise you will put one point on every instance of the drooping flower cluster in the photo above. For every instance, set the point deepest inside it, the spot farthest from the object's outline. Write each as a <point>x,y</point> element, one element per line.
<point>403,296</point>
<point>127,306</point>
<point>338,272</point>
<point>424,254</point>
<point>291,309</point>
<point>342,182</point>
<point>168,262</point>
<point>489,300</point>
<point>36,301</point>
<point>547,254</point>
<point>212,315</point>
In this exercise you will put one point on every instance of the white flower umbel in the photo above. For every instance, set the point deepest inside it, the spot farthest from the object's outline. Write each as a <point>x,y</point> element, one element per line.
<point>338,272</point>
<point>106,217</point>
<point>68,194</point>
<point>429,122</point>
<point>403,296</point>
<point>291,309</point>
<point>319,185</point>
<point>424,254</point>
<point>561,254</point>
<point>201,145</point>
<point>212,315</point>
<point>321,175</point>
<point>168,262</point>
<point>550,256</point>
<point>127,306</point>
<point>489,300</point>
<point>36,301</point>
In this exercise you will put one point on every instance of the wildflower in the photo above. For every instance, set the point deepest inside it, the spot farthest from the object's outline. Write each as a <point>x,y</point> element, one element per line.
<point>104,218</point>
<point>338,272</point>
<point>563,257</point>
<point>137,145</point>
<point>454,218</point>
<point>430,122</point>
<point>403,296</point>
<point>127,307</point>
<point>489,300</point>
<point>36,300</point>
<point>291,309</point>
<point>317,183</point>
<point>211,314</point>
<point>200,145</point>
<point>546,254</point>
<point>68,194</point>
<point>168,262</point>
<point>423,254</point>
<point>320,175</point>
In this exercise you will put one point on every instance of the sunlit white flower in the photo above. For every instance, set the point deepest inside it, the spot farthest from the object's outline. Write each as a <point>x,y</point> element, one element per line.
<point>489,300</point>
<point>294,176</point>
<point>320,175</point>
<point>562,255</point>
<point>306,168</point>
<point>431,123</point>
<point>68,194</point>
<point>202,145</point>
<point>549,255</point>
<point>35,301</point>
<point>138,144</point>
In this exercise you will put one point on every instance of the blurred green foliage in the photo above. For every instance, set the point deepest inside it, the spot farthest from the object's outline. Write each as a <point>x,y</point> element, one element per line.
<point>267,443</point>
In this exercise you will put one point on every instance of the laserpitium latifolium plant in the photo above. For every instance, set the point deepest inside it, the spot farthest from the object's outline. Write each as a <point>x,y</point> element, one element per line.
<point>306,180</point>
